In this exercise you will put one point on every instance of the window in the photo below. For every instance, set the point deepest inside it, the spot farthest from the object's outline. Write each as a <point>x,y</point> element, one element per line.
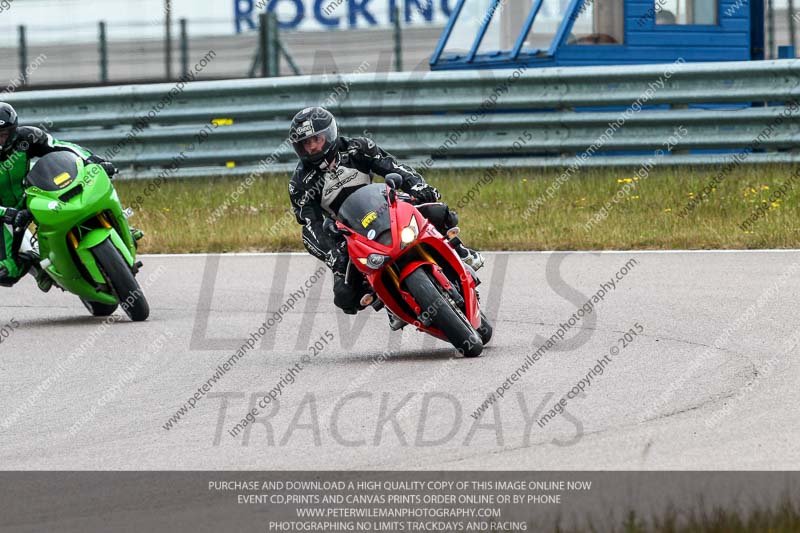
<point>598,22</point>
<point>505,26</point>
<point>510,25</point>
<point>686,12</point>
<point>545,25</point>
<point>466,26</point>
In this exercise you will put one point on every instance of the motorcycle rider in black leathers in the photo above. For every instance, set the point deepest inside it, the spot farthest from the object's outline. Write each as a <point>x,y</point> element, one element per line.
<point>333,167</point>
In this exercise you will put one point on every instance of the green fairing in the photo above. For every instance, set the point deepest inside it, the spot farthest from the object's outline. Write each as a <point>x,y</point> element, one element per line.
<point>56,218</point>
<point>15,167</point>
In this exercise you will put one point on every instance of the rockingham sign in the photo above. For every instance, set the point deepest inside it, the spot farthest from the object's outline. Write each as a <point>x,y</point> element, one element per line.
<point>144,19</point>
<point>340,14</point>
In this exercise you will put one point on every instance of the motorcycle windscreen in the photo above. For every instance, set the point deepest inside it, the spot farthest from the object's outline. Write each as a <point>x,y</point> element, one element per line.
<point>54,171</point>
<point>366,211</point>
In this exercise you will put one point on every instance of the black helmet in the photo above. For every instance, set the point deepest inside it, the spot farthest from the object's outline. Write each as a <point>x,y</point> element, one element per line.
<point>313,122</point>
<point>8,126</point>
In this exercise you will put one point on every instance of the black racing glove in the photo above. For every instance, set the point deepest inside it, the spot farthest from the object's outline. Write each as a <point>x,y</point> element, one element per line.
<point>109,167</point>
<point>425,193</point>
<point>18,218</point>
<point>337,258</point>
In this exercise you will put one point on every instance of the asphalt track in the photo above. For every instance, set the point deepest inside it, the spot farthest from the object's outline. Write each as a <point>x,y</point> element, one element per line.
<point>709,383</point>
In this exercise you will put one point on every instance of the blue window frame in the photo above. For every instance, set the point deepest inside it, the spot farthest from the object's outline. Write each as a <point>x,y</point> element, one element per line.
<point>491,9</point>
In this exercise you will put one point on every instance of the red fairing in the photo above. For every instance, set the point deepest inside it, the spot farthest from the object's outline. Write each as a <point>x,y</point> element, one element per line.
<point>400,214</point>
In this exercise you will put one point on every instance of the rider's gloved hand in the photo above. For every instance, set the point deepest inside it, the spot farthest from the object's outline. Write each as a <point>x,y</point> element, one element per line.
<point>18,218</point>
<point>109,167</point>
<point>337,261</point>
<point>425,193</point>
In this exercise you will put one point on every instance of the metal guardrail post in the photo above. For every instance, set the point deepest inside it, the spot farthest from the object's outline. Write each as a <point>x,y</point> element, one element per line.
<point>272,44</point>
<point>168,39</point>
<point>398,41</point>
<point>103,51</point>
<point>263,39</point>
<point>184,48</point>
<point>269,44</point>
<point>23,56</point>
<point>770,30</point>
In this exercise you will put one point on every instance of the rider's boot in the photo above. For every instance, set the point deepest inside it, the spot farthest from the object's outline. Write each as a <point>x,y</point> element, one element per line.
<point>471,257</point>
<point>43,281</point>
<point>136,235</point>
<point>395,323</point>
<point>5,281</point>
<point>22,263</point>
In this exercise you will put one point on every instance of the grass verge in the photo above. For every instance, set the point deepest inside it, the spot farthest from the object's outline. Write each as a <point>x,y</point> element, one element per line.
<point>594,210</point>
<point>782,517</point>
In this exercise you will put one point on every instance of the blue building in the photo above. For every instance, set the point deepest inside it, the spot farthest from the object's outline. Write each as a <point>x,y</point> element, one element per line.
<point>548,33</point>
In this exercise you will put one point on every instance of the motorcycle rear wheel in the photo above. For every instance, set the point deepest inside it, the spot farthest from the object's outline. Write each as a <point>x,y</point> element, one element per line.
<point>445,315</point>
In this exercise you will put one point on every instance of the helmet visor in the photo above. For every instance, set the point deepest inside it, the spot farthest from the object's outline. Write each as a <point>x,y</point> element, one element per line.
<point>313,144</point>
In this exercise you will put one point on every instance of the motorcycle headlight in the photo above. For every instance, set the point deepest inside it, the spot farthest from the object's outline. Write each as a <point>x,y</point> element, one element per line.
<point>410,232</point>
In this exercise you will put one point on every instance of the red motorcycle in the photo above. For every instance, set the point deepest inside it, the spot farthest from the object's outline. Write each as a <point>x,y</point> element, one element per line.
<point>410,267</point>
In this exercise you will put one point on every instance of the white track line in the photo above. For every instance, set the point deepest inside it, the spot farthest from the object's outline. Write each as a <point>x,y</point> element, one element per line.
<point>511,252</point>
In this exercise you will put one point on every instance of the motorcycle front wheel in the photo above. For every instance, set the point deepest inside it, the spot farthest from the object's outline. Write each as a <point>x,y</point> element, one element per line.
<point>98,308</point>
<point>119,276</point>
<point>444,313</point>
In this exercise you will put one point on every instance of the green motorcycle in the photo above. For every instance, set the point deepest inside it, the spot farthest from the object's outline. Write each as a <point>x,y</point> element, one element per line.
<point>84,242</point>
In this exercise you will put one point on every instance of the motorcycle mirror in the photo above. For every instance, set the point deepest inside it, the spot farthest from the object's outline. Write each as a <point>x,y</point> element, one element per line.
<point>394,180</point>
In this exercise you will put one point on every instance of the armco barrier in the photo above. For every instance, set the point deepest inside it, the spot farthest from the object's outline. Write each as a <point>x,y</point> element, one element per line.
<point>722,106</point>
